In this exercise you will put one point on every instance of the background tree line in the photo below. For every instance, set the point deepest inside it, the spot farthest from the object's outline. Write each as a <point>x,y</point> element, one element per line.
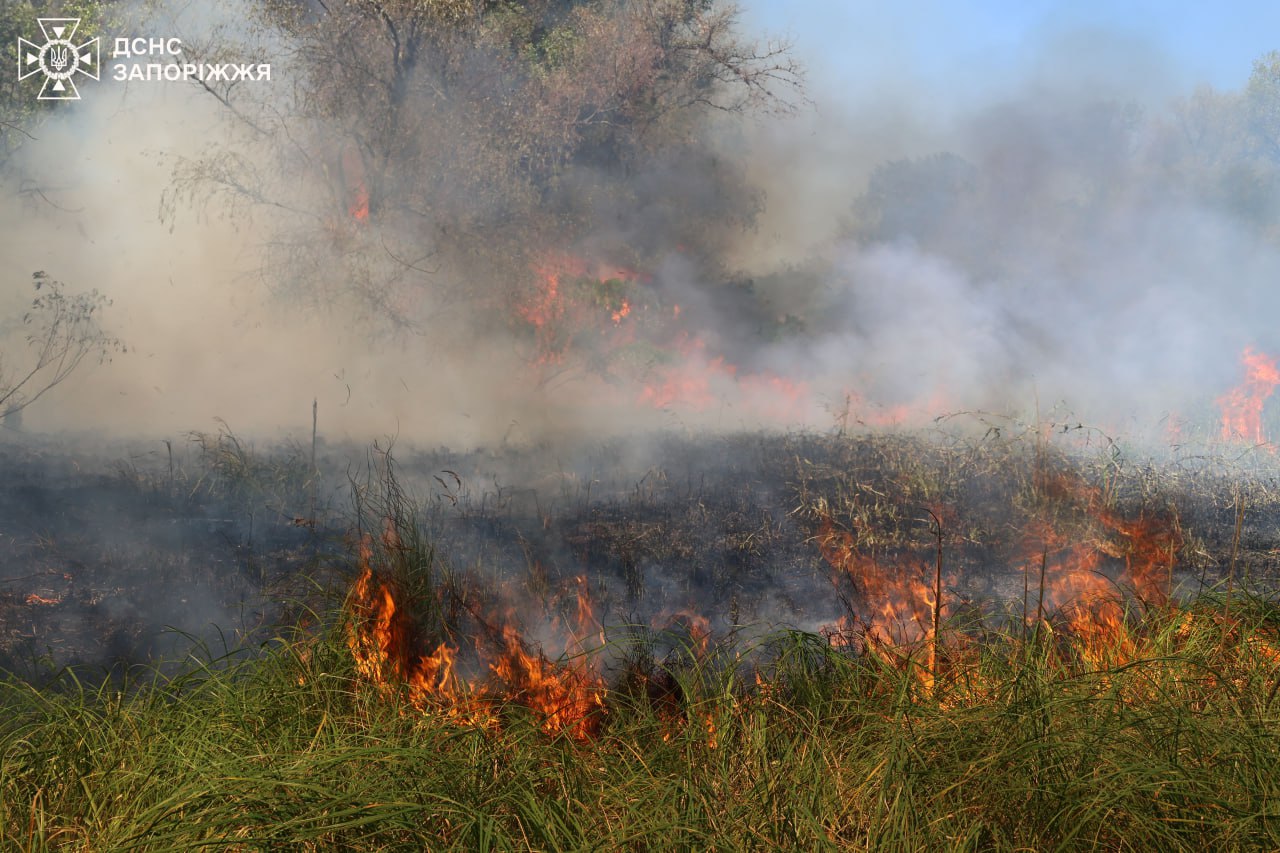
<point>1068,171</point>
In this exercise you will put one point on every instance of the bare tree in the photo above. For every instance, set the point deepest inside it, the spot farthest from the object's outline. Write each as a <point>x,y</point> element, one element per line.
<point>61,332</point>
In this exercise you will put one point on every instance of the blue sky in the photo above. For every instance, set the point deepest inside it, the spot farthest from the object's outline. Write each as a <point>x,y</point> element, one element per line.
<point>953,49</point>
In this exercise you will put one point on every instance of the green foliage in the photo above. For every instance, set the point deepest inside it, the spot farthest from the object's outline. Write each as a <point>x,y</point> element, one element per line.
<point>788,743</point>
<point>556,49</point>
<point>20,111</point>
<point>1037,176</point>
<point>1262,105</point>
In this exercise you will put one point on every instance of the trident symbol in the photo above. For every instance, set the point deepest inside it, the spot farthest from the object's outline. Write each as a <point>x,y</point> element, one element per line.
<point>58,57</point>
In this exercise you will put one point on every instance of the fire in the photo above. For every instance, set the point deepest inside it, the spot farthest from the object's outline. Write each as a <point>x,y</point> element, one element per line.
<point>1242,406</point>
<point>687,621</point>
<point>560,308</point>
<point>1147,544</point>
<point>900,602</point>
<point>1068,576</point>
<point>568,698</point>
<point>596,311</point>
<point>905,611</point>
<point>623,311</point>
<point>565,697</point>
<point>359,208</point>
<point>691,383</point>
<point>855,408</point>
<point>698,381</point>
<point>351,165</point>
<point>1064,580</point>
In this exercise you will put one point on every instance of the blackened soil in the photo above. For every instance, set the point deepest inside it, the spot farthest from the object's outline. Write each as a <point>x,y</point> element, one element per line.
<point>119,557</point>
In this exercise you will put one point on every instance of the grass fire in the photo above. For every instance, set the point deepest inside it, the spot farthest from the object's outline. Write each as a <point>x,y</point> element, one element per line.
<point>766,634</point>
<point>565,425</point>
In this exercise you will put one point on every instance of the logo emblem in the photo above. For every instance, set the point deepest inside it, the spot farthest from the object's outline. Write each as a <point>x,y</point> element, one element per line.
<point>59,58</point>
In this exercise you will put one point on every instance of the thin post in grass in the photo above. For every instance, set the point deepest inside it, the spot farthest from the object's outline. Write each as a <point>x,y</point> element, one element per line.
<point>311,512</point>
<point>169,444</point>
<point>1026,590</point>
<point>937,591</point>
<point>1235,548</point>
<point>1044,570</point>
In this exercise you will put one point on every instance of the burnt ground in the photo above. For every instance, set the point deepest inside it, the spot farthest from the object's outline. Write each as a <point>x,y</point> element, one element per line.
<point>109,558</point>
<point>120,556</point>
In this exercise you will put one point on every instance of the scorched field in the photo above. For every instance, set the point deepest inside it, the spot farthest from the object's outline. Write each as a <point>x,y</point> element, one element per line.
<point>946,638</point>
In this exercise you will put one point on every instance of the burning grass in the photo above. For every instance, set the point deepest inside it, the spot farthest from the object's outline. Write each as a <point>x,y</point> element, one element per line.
<point>1021,648</point>
<point>1176,749</point>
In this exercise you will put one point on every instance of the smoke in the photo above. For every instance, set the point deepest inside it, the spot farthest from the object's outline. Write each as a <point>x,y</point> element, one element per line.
<point>1074,231</point>
<point>208,336</point>
<point>1048,235</point>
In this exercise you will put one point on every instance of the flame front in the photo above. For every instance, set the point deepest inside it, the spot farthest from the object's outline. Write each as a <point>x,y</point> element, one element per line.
<point>359,208</point>
<point>1064,580</point>
<point>380,645</point>
<point>567,698</point>
<point>1242,406</point>
<point>905,612</point>
<point>900,602</point>
<point>1068,569</point>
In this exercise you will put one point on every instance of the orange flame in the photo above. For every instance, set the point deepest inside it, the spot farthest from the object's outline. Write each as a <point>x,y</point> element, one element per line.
<point>904,609</point>
<point>1070,582</point>
<point>698,381</point>
<point>1074,588</point>
<point>1242,406</point>
<point>697,626</point>
<point>567,698</point>
<point>357,190</point>
<point>359,208</point>
<point>1073,584</point>
<point>698,629</point>
<point>381,646</point>
<point>556,312</point>
<point>565,313</point>
<point>691,383</point>
<point>857,409</point>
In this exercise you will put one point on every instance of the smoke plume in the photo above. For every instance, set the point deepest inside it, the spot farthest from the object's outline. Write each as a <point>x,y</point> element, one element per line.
<point>1074,235</point>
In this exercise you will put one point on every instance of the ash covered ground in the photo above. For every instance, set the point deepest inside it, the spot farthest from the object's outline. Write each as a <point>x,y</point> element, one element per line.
<point>129,554</point>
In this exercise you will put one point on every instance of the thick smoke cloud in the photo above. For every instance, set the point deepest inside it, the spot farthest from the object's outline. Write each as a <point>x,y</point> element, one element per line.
<point>1076,234</point>
<point>1062,260</point>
